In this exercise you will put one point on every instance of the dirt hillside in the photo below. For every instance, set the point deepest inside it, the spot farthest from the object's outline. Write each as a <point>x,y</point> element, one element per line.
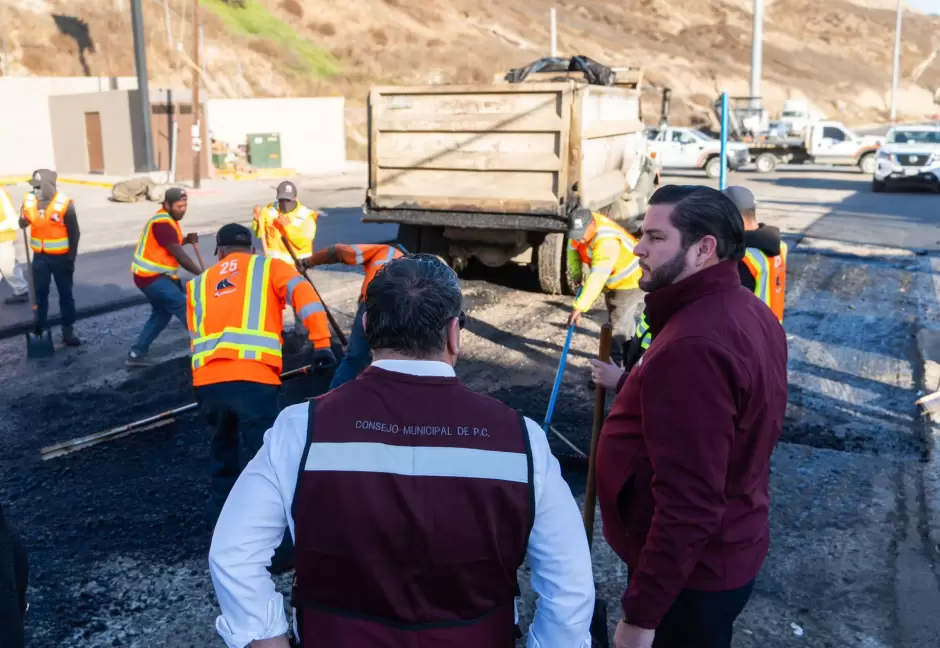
<point>836,53</point>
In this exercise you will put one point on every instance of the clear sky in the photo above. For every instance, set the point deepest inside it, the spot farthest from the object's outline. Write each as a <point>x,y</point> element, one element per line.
<point>927,6</point>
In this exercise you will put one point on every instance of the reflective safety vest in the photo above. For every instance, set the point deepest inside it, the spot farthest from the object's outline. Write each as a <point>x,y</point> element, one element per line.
<point>8,218</point>
<point>770,277</point>
<point>151,258</point>
<point>615,266</point>
<point>300,232</point>
<point>410,522</point>
<point>48,233</point>
<point>370,257</point>
<point>234,313</point>
<point>644,333</point>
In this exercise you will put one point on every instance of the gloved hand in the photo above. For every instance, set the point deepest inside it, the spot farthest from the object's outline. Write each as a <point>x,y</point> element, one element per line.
<point>323,359</point>
<point>191,238</point>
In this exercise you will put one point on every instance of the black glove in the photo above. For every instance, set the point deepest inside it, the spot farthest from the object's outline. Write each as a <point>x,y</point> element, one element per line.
<point>323,359</point>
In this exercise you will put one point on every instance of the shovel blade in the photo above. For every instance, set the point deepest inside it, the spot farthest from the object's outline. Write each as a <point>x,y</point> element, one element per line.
<point>599,633</point>
<point>39,346</point>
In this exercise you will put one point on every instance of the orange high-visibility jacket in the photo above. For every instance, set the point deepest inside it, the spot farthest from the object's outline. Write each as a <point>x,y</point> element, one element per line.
<point>370,257</point>
<point>47,226</point>
<point>8,218</point>
<point>151,258</point>
<point>300,231</point>
<point>770,277</point>
<point>234,315</point>
<point>608,252</point>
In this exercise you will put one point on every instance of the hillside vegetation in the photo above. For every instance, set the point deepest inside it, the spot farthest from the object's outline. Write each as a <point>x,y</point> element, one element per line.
<point>836,53</point>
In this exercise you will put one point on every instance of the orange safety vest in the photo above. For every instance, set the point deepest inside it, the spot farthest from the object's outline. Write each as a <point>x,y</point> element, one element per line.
<point>370,257</point>
<point>234,314</point>
<point>48,232</point>
<point>151,258</point>
<point>8,218</point>
<point>770,277</point>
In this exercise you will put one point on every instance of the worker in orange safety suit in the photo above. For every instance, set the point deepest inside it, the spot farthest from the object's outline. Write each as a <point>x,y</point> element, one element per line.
<point>372,258</point>
<point>234,316</point>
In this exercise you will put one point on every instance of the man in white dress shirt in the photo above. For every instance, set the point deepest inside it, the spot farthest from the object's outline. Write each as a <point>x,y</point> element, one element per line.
<point>412,502</point>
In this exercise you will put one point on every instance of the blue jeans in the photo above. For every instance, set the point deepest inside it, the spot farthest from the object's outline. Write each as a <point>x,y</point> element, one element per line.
<point>166,300</point>
<point>358,354</point>
<point>60,267</point>
<point>239,414</point>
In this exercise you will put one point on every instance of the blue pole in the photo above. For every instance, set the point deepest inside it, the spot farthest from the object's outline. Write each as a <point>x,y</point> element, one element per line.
<point>723,178</point>
<point>558,376</point>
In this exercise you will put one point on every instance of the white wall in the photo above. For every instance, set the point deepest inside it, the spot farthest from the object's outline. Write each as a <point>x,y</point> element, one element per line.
<point>313,138</point>
<point>25,130</point>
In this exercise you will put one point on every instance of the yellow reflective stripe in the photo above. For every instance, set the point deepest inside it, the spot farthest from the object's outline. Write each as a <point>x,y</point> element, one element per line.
<point>644,333</point>
<point>54,244</point>
<point>761,281</point>
<point>140,261</point>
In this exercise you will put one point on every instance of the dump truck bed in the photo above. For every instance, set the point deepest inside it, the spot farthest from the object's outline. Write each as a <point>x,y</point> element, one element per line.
<point>510,149</point>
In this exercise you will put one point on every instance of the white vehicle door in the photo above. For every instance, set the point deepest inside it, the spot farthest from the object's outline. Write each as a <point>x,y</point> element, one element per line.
<point>681,150</point>
<point>832,144</point>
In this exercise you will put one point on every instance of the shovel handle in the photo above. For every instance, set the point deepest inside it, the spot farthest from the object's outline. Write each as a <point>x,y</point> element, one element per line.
<point>199,256</point>
<point>600,401</point>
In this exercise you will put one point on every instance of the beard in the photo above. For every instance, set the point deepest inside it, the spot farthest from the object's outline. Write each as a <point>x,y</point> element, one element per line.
<point>665,274</point>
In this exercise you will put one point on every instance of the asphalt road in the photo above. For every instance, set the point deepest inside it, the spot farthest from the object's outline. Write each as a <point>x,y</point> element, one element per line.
<point>117,537</point>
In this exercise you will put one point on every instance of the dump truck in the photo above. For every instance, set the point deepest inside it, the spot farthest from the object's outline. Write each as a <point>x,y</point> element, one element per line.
<point>491,171</point>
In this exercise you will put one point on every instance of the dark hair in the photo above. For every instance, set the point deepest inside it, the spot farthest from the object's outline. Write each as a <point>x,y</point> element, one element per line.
<point>700,211</point>
<point>409,303</point>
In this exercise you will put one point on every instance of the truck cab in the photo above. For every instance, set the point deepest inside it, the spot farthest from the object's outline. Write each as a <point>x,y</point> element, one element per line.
<point>830,142</point>
<point>679,147</point>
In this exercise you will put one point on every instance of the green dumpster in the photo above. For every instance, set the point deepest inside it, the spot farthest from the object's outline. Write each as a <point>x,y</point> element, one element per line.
<point>264,150</point>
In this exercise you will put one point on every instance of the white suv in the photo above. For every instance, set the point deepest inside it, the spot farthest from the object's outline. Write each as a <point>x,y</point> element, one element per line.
<point>910,157</point>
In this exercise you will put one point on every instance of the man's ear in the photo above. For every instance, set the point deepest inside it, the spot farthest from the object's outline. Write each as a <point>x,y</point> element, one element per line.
<point>453,337</point>
<point>707,247</point>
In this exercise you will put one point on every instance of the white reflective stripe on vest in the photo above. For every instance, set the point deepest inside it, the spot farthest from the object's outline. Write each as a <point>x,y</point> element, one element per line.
<point>359,257</point>
<point>761,288</point>
<point>293,283</point>
<point>310,309</point>
<point>418,461</point>
<point>623,274</point>
<point>140,261</point>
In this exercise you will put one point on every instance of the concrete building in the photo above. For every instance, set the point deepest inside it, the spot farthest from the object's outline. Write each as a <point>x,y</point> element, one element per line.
<point>312,129</point>
<point>101,132</point>
<point>25,127</point>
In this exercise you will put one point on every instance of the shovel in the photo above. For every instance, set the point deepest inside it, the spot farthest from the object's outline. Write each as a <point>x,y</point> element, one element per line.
<point>599,636</point>
<point>38,342</point>
<point>547,425</point>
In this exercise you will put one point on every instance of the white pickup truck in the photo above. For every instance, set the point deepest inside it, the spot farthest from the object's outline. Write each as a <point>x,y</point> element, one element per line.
<point>678,147</point>
<point>823,142</point>
<point>910,157</point>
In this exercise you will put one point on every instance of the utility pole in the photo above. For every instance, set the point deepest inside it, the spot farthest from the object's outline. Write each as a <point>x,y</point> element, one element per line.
<point>897,65</point>
<point>554,32</point>
<point>197,112</point>
<point>143,85</point>
<point>757,51</point>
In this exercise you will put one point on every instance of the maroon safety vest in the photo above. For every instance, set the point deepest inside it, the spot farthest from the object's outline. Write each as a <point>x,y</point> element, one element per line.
<point>412,513</point>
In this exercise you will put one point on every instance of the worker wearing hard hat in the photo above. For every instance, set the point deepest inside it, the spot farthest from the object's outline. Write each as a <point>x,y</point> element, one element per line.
<point>372,258</point>
<point>286,222</point>
<point>53,237</point>
<point>606,249</point>
<point>234,316</point>
<point>10,271</point>
<point>412,501</point>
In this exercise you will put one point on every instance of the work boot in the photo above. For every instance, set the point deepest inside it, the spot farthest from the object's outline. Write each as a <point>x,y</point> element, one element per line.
<point>135,359</point>
<point>17,299</point>
<point>69,338</point>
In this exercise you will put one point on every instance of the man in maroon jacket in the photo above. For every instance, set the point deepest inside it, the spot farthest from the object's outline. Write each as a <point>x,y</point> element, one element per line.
<point>684,457</point>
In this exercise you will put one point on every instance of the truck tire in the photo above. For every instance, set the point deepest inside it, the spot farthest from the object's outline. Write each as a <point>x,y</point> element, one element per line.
<point>867,163</point>
<point>766,162</point>
<point>551,265</point>
<point>713,167</point>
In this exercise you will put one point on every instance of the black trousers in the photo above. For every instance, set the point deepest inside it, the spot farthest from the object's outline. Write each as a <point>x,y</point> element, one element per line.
<point>623,307</point>
<point>61,268</point>
<point>701,619</point>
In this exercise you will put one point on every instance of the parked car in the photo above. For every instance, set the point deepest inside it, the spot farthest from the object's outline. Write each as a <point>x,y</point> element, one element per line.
<point>678,147</point>
<point>910,157</point>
